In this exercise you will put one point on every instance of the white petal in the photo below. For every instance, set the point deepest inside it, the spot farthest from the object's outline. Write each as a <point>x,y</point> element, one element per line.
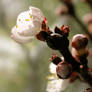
<point>29,22</point>
<point>24,18</point>
<point>30,30</point>
<point>36,12</point>
<point>20,39</point>
<point>52,68</point>
<point>57,85</point>
<point>27,30</point>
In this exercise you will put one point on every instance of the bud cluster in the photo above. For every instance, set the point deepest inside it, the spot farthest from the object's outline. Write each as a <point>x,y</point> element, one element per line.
<point>73,65</point>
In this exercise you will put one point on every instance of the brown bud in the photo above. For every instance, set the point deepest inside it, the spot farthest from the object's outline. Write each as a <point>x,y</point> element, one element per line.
<point>63,70</point>
<point>77,53</point>
<point>79,41</point>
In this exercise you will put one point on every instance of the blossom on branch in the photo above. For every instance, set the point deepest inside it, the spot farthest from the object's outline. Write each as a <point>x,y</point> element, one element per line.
<point>27,26</point>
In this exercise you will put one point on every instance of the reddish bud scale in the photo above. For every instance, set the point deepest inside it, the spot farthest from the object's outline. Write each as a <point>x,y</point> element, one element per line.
<point>64,30</point>
<point>55,59</point>
<point>44,32</point>
<point>40,37</point>
<point>63,70</point>
<point>45,20</point>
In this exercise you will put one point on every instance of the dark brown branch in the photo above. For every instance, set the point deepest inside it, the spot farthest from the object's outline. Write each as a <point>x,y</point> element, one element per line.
<point>69,58</point>
<point>84,29</point>
<point>76,66</point>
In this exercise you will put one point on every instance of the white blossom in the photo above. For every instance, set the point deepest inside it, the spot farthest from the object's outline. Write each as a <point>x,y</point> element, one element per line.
<point>57,85</point>
<point>27,26</point>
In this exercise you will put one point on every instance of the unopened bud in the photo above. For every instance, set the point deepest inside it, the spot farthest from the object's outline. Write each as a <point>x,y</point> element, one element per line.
<point>63,70</point>
<point>79,41</point>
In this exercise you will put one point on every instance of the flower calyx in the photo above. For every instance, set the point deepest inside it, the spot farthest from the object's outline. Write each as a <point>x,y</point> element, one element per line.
<point>44,31</point>
<point>56,40</point>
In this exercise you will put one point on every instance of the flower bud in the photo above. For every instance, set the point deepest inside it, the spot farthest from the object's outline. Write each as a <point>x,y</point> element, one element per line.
<point>78,53</point>
<point>63,70</point>
<point>79,41</point>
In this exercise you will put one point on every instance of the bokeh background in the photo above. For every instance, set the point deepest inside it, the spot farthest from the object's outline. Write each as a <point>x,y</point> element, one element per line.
<point>24,68</point>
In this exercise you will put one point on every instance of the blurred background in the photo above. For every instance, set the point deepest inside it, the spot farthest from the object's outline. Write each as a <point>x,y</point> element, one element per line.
<point>24,68</point>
